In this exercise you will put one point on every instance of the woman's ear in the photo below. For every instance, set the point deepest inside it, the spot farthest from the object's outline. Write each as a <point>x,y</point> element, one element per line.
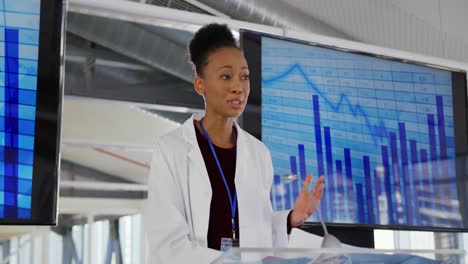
<point>199,86</point>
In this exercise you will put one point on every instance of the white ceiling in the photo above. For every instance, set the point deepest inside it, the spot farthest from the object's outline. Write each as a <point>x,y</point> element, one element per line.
<point>432,27</point>
<point>450,16</point>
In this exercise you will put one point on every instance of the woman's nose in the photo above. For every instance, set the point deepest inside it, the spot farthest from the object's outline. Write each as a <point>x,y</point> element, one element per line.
<point>236,88</point>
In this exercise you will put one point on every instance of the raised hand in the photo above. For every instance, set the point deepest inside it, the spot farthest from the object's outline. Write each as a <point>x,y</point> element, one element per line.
<point>304,206</point>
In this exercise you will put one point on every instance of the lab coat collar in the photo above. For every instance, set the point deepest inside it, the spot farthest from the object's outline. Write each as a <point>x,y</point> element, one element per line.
<point>191,137</point>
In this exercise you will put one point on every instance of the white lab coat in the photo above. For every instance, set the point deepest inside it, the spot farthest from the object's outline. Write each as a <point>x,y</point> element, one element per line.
<point>177,211</point>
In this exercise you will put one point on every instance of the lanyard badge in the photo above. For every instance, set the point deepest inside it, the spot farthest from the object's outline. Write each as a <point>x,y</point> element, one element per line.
<point>232,200</point>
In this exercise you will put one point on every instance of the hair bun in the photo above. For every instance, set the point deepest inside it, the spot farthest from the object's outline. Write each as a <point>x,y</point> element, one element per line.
<point>208,39</point>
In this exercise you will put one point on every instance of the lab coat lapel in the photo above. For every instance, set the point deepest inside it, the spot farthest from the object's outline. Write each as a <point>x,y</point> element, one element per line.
<point>245,194</point>
<point>242,157</point>
<point>199,186</point>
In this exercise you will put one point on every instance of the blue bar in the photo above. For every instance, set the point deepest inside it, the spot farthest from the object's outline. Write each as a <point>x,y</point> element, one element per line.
<point>296,185</point>
<point>406,184</point>
<point>443,145</point>
<point>340,186</point>
<point>292,160</point>
<point>433,155</point>
<point>427,183</point>
<point>367,177</point>
<point>441,127</point>
<point>396,176</point>
<point>302,164</point>
<point>327,207</point>
<point>416,178</point>
<point>432,138</point>
<point>288,198</point>
<point>11,95</point>
<point>360,202</point>
<point>349,183</point>
<point>378,191</point>
<point>388,189</point>
<point>318,134</point>
<point>279,199</point>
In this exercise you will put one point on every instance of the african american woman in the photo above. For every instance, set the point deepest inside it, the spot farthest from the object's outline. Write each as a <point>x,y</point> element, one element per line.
<point>210,181</point>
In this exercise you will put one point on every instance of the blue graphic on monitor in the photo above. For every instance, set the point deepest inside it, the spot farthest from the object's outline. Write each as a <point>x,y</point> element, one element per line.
<point>19,40</point>
<point>380,131</point>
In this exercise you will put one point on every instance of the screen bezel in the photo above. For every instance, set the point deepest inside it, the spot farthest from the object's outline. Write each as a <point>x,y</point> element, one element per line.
<point>251,44</point>
<point>50,79</point>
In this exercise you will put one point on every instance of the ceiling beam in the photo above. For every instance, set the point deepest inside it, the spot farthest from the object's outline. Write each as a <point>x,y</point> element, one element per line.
<point>105,83</point>
<point>159,16</point>
<point>276,14</point>
<point>134,42</point>
<point>87,172</point>
<point>102,206</point>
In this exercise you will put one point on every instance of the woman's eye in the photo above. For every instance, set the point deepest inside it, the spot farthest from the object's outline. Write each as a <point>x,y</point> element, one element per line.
<point>225,77</point>
<point>245,77</point>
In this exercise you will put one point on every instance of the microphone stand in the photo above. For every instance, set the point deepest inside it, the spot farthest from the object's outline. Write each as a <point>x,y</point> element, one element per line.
<point>329,240</point>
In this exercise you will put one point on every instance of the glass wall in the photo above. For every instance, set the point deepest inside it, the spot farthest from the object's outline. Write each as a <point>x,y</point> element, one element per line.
<point>70,244</point>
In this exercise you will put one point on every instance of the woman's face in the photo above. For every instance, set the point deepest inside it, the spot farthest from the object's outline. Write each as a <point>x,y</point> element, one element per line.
<point>225,82</point>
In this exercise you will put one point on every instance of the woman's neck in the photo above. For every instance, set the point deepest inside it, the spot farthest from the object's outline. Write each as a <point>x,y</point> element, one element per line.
<point>219,130</point>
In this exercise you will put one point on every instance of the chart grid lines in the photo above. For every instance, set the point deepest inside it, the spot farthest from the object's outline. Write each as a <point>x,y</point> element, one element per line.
<point>19,41</point>
<point>380,132</point>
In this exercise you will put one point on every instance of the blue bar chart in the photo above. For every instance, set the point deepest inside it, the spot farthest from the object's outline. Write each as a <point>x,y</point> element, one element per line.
<point>381,132</point>
<point>19,40</point>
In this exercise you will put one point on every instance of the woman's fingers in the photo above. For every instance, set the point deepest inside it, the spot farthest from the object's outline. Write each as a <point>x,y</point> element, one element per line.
<point>320,190</point>
<point>317,193</point>
<point>307,182</point>
<point>318,186</point>
<point>320,180</point>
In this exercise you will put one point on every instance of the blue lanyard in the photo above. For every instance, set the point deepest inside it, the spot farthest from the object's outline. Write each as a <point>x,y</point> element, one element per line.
<point>232,202</point>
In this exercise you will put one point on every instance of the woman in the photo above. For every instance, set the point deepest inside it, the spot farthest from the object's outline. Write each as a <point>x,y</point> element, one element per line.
<point>210,180</point>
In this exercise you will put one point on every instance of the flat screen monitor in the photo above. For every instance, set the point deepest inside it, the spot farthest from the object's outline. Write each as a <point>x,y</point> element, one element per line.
<point>389,135</point>
<point>31,49</point>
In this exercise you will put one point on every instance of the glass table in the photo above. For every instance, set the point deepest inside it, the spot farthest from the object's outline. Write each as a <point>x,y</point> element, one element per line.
<point>339,255</point>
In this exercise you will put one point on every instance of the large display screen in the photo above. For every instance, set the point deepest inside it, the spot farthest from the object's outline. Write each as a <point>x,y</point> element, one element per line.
<point>29,110</point>
<point>381,131</point>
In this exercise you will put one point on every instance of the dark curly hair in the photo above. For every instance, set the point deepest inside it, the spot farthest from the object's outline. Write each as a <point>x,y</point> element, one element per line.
<point>207,40</point>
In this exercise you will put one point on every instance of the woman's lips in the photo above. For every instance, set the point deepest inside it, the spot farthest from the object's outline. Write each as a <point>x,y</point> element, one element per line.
<point>236,103</point>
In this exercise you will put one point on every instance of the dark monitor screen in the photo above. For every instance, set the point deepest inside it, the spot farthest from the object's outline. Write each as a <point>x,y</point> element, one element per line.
<point>388,135</point>
<point>30,103</point>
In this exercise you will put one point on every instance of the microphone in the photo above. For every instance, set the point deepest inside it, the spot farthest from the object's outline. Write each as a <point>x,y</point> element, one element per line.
<point>329,240</point>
